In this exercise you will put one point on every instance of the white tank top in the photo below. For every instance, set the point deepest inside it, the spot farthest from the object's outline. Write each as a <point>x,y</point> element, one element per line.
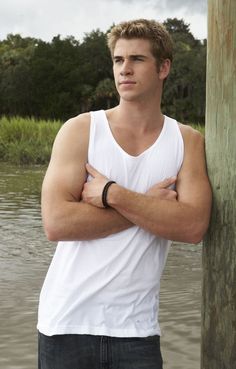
<point>110,286</point>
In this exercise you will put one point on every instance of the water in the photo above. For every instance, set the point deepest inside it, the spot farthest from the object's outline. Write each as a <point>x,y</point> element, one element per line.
<point>24,258</point>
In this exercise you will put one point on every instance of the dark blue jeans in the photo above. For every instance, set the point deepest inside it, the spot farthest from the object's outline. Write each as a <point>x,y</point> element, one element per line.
<point>74,351</point>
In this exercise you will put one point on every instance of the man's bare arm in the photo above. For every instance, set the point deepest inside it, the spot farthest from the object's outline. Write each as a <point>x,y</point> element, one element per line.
<point>185,219</point>
<point>65,216</point>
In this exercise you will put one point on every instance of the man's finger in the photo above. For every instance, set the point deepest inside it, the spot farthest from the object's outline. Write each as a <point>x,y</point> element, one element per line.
<point>91,170</point>
<point>167,182</point>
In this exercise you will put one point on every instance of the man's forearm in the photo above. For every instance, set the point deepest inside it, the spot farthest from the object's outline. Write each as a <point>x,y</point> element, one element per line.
<point>165,218</point>
<point>157,211</point>
<point>80,221</point>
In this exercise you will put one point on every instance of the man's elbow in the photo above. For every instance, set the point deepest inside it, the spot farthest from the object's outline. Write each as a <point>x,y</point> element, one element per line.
<point>52,236</point>
<point>52,224</point>
<point>51,231</point>
<point>196,232</point>
<point>195,238</point>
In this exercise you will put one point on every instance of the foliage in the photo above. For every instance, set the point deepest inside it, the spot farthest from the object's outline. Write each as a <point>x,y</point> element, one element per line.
<point>64,77</point>
<point>27,141</point>
<point>184,92</point>
<point>106,93</point>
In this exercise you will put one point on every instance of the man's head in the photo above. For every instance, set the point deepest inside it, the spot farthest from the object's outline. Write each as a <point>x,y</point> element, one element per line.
<point>160,40</point>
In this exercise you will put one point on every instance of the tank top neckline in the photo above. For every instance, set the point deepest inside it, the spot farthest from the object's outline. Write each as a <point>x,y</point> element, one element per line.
<point>143,153</point>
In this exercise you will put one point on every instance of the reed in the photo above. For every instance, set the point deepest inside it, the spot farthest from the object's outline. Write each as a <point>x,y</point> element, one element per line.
<point>199,127</point>
<point>27,140</point>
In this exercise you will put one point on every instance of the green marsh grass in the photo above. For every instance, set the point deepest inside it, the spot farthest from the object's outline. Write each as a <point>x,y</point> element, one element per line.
<point>27,141</point>
<point>199,127</point>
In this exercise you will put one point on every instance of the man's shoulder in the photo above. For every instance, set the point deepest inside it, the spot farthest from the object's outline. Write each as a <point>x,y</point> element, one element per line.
<point>74,133</point>
<point>190,134</point>
<point>79,120</point>
<point>76,125</point>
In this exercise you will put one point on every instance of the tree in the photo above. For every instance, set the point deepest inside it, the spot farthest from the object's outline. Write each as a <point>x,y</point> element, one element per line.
<point>106,94</point>
<point>15,82</point>
<point>56,73</point>
<point>95,62</point>
<point>184,93</point>
<point>64,77</point>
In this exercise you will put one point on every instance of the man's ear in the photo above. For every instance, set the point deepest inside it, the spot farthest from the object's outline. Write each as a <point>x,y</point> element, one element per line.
<point>164,69</point>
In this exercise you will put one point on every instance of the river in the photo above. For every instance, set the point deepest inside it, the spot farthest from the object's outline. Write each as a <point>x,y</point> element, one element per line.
<point>24,258</point>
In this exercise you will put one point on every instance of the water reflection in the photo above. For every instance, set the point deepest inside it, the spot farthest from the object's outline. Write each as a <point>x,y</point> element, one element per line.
<point>24,257</point>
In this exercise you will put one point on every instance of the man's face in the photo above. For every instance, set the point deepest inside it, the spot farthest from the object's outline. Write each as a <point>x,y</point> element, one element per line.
<point>135,69</point>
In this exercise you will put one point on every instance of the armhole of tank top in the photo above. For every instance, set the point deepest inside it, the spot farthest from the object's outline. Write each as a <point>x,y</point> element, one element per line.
<point>96,117</point>
<point>91,134</point>
<point>175,124</point>
<point>182,145</point>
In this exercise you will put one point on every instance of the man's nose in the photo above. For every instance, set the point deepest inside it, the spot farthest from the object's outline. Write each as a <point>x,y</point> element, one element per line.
<point>126,68</point>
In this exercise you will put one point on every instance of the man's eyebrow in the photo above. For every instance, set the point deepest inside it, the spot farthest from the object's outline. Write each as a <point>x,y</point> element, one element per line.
<point>138,56</point>
<point>132,56</point>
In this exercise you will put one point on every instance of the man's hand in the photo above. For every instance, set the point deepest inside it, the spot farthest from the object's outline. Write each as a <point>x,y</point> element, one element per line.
<point>92,191</point>
<point>163,191</point>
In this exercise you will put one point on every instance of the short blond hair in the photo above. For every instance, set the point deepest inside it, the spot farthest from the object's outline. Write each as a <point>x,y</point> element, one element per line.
<point>155,32</point>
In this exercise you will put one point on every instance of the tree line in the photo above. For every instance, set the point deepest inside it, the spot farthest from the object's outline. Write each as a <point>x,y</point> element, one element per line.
<point>65,77</point>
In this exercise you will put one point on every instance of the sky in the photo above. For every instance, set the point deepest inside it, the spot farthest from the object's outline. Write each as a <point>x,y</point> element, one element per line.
<point>45,19</point>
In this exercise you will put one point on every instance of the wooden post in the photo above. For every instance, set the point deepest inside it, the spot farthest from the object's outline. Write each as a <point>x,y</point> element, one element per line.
<point>219,246</point>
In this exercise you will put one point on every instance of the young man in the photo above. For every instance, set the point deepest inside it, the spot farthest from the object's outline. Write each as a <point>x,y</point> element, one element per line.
<point>120,184</point>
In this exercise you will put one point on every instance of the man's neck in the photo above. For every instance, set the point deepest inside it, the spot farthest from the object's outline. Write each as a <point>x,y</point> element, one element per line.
<point>143,117</point>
